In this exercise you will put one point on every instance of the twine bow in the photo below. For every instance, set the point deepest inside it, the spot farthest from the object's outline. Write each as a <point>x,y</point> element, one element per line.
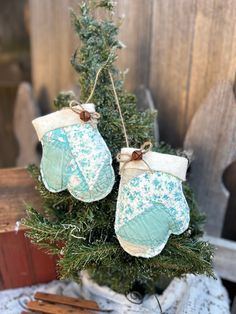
<point>137,155</point>
<point>86,116</point>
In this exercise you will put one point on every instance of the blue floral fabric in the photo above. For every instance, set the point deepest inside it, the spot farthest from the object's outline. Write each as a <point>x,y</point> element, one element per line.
<point>76,158</point>
<point>150,207</point>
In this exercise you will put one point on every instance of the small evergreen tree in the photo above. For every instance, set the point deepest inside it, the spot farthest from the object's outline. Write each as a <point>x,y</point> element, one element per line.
<point>82,234</point>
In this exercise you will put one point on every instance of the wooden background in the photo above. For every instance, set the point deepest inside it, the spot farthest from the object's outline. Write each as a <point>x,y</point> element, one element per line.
<point>177,48</point>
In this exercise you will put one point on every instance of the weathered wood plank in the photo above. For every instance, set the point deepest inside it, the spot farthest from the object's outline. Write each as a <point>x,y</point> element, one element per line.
<point>193,46</point>
<point>212,137</point>
<point>15,265</point>
<point>172,44</point>
<point>25,111</point>
<point>33,265</point>
<point>8,144</point>
<point>185,45</point>
<point>17,189</point>
<point>229,180</point>
<point>145,102</point>
<point>60,299</point>
<point>136,34</point>
<point>213,50</point>
<point>52,44</point>
<point>225,256</point>
<point>44,307</point>
<point>43,264</point>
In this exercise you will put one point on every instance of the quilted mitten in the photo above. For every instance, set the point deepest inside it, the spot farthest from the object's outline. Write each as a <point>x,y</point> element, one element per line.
<point>151,204</point>
<point>75,156</point>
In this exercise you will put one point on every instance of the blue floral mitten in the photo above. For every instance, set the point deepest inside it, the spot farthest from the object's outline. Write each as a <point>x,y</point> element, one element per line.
<point>151,204</point>
<point>75,156</point>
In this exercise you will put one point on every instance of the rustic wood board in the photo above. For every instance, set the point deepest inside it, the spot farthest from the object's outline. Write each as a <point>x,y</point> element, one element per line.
<point>25,110</point>
<point>22,263</point>
<point>193,47</point>
<point>17,189</point>
<point>60,299</point>
<point>53,42</point>
<point>44,307</point>
<point>8,143</point>
<point>213,51</point>
<point>52,45</point>
<point>136,34</point>
<point>225,256</point>
<point>172,44</point>
<point>178,48</point>
<point>212,137</point>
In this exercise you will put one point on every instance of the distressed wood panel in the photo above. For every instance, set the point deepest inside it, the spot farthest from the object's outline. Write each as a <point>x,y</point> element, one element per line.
<point>178,48</point>
<point>17,189</point>
<point>193,46</point>
<point>212,137</point>
<point>32,266</point>
<point>172,44</point>
<point>224,259</point>
<point>135,33</point>
<point>8,143</point>
<point>53,42</point>
<point>25,110</point>
<point>213,50</point>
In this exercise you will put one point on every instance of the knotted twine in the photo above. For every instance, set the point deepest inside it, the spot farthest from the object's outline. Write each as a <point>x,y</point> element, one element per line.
<point>86,116</point>
<point>136,155</point>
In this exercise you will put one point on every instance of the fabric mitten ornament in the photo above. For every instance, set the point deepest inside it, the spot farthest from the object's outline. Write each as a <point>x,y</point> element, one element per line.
<point>151,204</point>
<point>75,156</point>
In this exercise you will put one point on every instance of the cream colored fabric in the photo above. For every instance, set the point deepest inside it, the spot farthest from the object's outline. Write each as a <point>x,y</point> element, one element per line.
<point>57,119</point>
<point>171,164</point>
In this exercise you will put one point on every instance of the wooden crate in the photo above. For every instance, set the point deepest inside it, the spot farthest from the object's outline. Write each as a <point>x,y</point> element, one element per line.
<point>21,263</point>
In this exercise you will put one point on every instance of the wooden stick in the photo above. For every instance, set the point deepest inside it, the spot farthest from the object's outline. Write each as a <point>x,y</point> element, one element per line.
<point>48,308</point>
<point>83,304</point>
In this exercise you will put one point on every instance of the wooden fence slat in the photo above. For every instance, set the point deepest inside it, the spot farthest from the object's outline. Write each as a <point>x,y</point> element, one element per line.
<point>177,48</point>
<point>212,137</point>
<point>8,143</point>
<point>225,256</point>
<point>213,51</point>
<point>135,33</point>
<point>172,39</point>
<point>53,42</point>
<point>52,45</point>
<point>25,111</point>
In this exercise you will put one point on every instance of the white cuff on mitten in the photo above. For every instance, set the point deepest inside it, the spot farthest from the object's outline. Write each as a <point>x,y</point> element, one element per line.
<point>174,165</point>
<point>58,119</point>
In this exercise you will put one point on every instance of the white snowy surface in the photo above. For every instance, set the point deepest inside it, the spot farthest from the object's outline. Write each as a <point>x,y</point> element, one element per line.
<point>192,295</point>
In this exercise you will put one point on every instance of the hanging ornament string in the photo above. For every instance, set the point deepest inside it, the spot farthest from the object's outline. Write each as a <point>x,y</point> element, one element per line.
<point>137,155</point>
<point>97,76</point>
<point>95,82</point>
<point>115,95</point>
<point>119,109</point>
